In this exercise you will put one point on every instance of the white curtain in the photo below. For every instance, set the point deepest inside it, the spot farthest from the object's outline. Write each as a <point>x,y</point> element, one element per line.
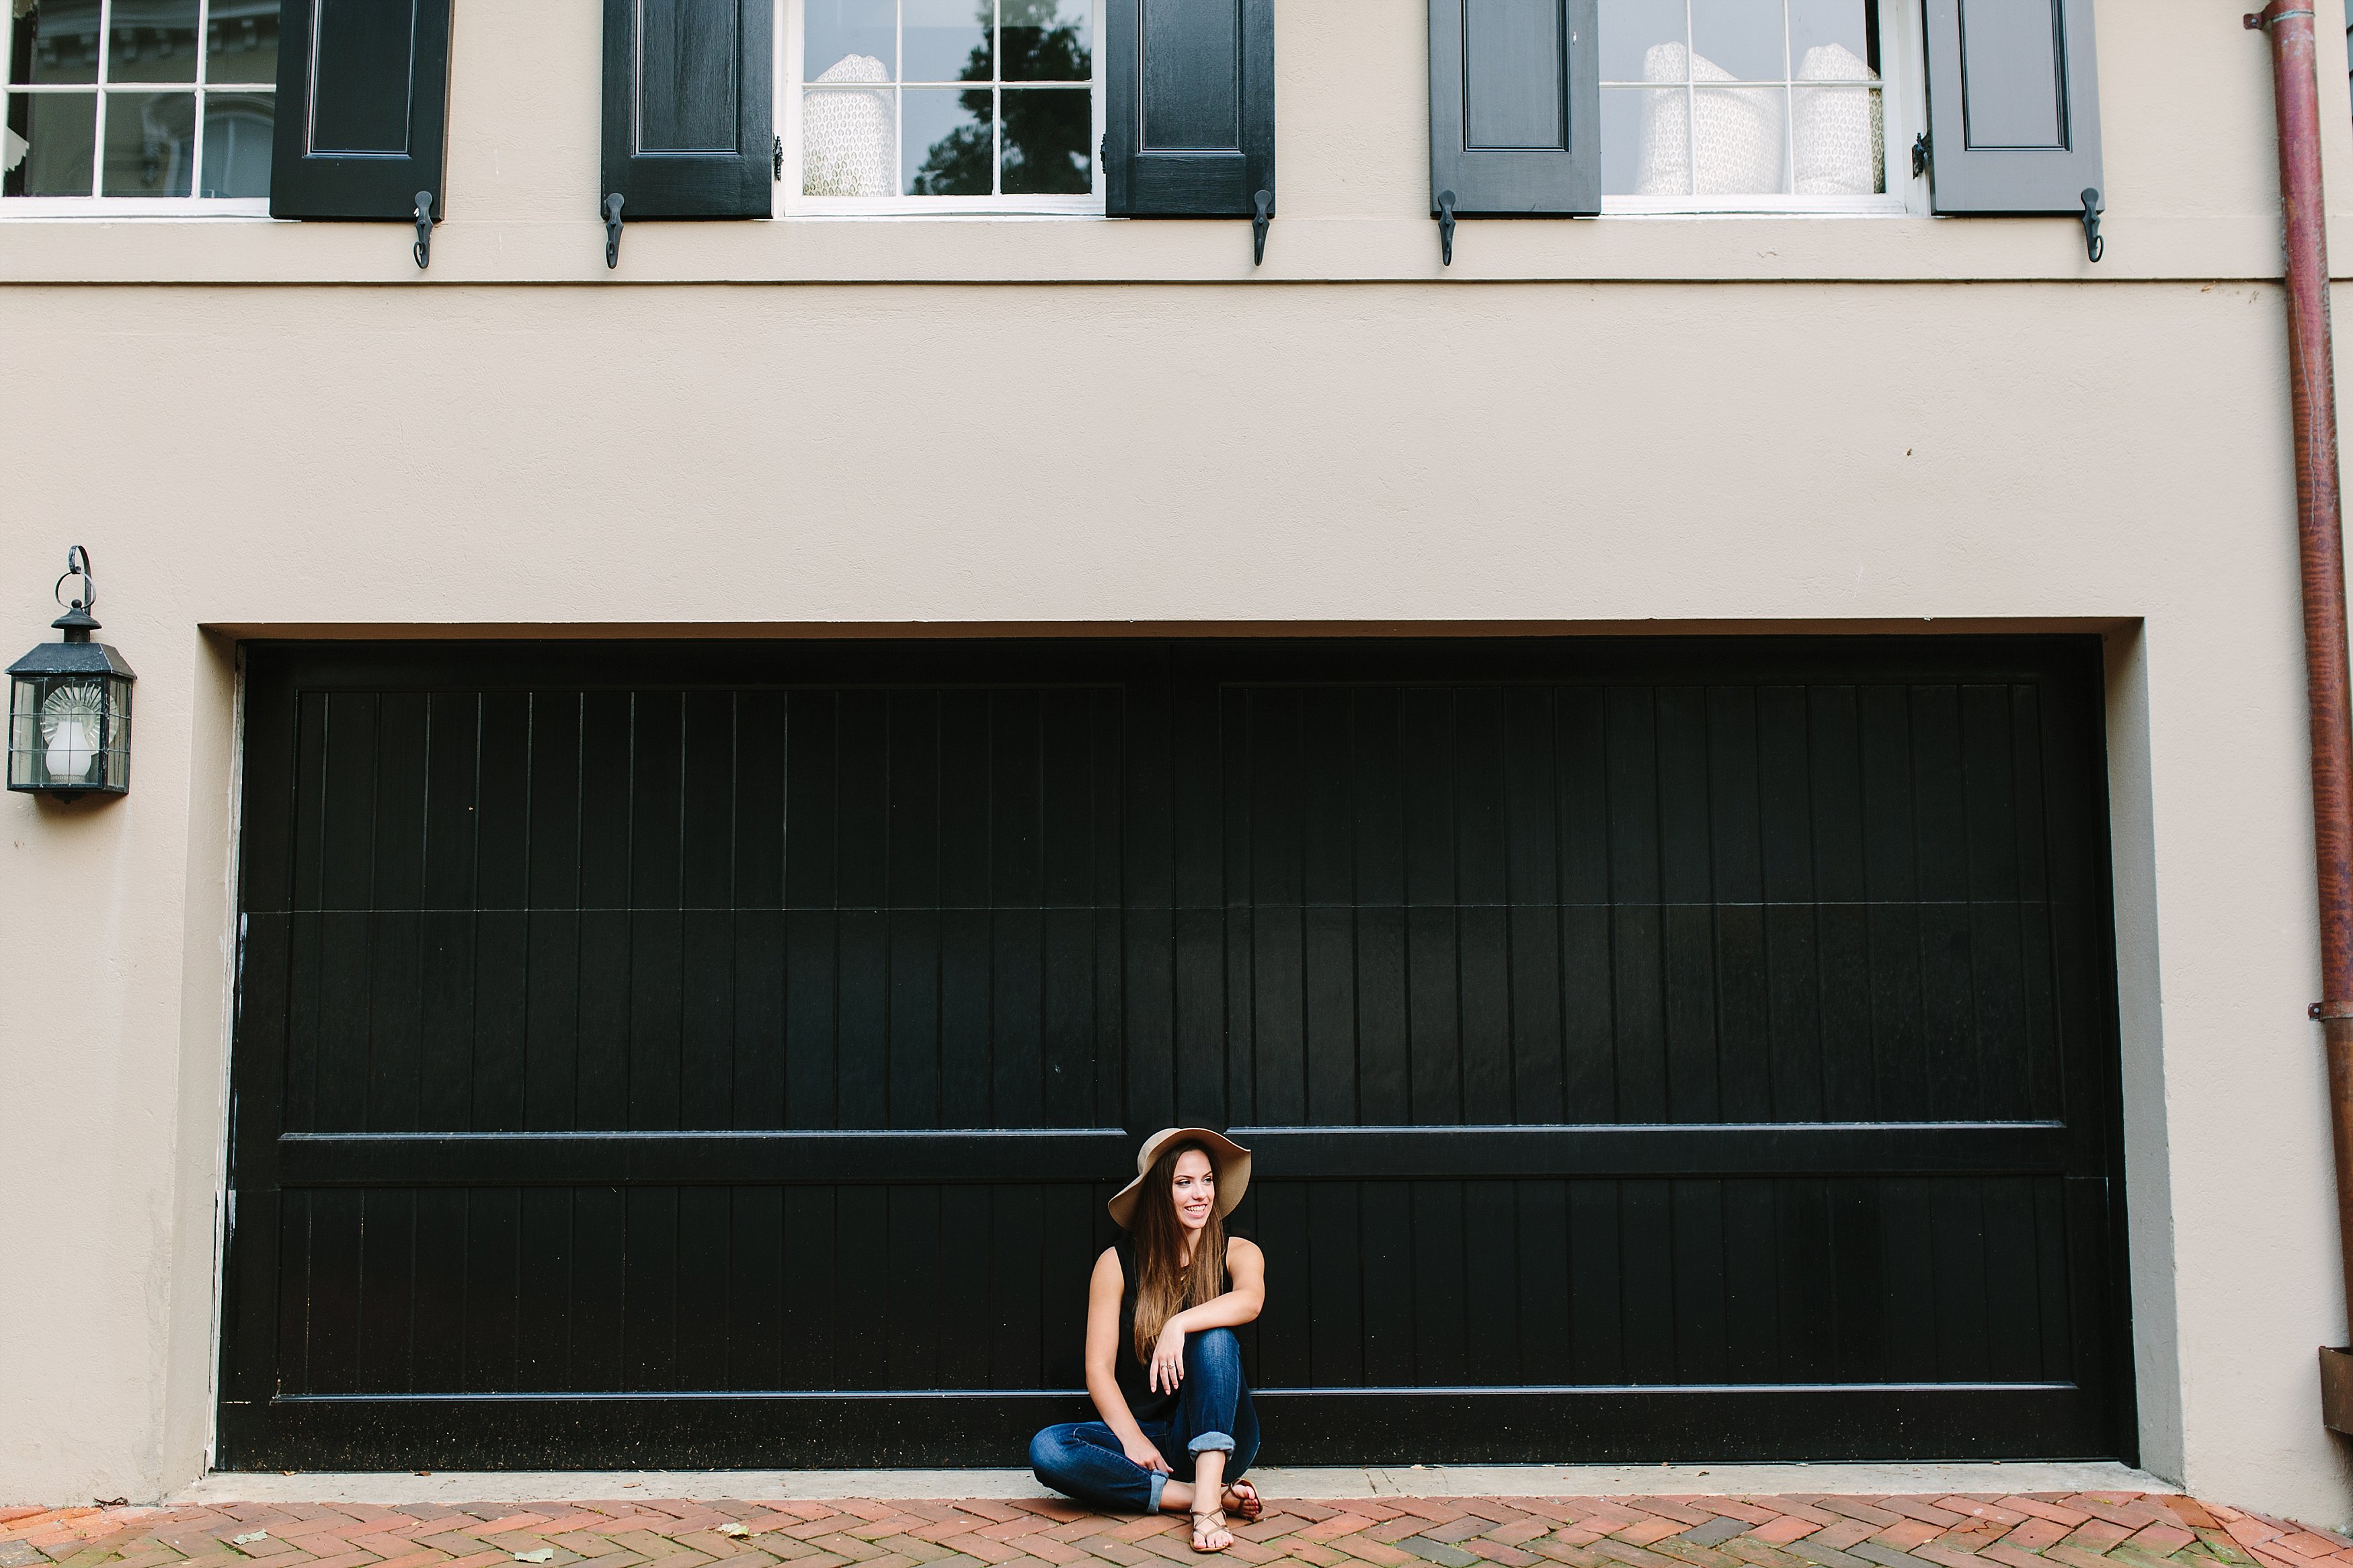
<point>1725,140</point>
<point>1838,133</point>
<point>1734,137</point>
<point>846,135</point>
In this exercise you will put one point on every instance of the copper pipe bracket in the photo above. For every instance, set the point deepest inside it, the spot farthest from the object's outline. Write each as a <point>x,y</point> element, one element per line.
<point>2321,1012</point>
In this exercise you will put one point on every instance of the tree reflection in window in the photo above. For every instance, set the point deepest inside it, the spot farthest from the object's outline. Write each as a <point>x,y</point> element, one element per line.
<point>1047,132</point>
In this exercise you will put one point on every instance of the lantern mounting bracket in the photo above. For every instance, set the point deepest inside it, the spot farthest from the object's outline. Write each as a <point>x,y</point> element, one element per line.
<point>76,565</point>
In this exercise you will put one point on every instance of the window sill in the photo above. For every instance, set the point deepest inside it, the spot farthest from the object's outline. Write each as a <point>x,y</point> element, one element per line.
<point>1892,205</point>
<point>811,208</point>
<point>109,209</point>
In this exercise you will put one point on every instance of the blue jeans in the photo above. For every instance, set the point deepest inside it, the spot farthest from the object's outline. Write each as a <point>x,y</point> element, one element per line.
<point>1083,1460</point>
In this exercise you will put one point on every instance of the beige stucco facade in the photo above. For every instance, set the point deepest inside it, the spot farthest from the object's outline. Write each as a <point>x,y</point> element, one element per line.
<point>844,427</point>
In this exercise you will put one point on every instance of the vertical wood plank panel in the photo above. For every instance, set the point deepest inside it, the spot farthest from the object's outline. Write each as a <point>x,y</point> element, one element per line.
<point>493,1315</point>
<point>543,1290</point>
<point>756,1272</point>
<point>1489,1283</point>
<point>1547,1345</point>
<point>705,1263</point>
<point>389,1294</point>
<point>1385,1245</point>
<point>597,1344</point>
<point>811,1301</point>
<point>916,1289</point>
<point>968,1303</point>
<point>649,1292</point>
<point>437,1360</point>
<point>1647,1253</point>
<point>1440,1315</point>
<point>1337,1286</point>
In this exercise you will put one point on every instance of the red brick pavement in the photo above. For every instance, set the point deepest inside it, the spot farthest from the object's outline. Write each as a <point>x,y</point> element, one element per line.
<point>2043,1530</point>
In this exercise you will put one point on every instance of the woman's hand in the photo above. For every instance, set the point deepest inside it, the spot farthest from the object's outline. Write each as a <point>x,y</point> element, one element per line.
<point>1167,1360</point>
<point>1140,1451</point>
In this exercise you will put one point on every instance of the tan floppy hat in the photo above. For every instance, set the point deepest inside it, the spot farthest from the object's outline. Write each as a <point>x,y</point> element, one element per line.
<point>1232,1159</point>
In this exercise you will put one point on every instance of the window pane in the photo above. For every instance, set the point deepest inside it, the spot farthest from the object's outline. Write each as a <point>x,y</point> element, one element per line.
<point>244,42</point>
<point>835,31</point>
<point>236,143</point>
<point>1738,141</point>
<point>59,42</point>
<point>149,138</point>
<point>1741,37</point>
<point>50,143</point>
<point>154,40</point>
<point>1630,29</point>
<point>1839,138</point>
<point>946,150</point>
<point>848,146</point>
<point>1813,23</point>
<point>1048,40</point>
<point>1049,141</point>
<point>948,41</point>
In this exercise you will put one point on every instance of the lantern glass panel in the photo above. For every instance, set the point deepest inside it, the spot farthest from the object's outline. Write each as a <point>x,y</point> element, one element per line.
<point>69,732</point>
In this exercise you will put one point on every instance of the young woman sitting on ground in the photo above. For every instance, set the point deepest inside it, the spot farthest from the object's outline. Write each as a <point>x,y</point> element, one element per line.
<point>1163,1365</point>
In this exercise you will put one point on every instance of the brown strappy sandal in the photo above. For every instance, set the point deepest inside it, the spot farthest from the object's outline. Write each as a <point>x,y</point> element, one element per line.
<point>1211,1521</point>
<point>1246,1501</point>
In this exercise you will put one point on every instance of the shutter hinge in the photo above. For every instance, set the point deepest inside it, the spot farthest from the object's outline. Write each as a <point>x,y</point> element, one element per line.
<point>2094,245</point>
<point>423,250</point>
<point>1921,155</point>
<point>778,154</point>
<point>613,229</point>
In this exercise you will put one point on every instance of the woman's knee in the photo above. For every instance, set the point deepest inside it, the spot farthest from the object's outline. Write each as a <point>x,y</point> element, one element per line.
<point>1213,1345</point>
<point>1050,1453</point>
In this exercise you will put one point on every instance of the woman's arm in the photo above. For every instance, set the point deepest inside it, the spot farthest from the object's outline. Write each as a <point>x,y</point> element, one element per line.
<point>1245,1297</point>
<point>1103,1293</point>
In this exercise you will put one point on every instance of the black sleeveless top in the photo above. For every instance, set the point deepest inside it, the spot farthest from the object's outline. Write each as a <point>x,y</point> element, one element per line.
<point>1131,1374</point>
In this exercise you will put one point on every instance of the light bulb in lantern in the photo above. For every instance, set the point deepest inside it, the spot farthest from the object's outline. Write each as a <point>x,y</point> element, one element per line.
<point>69,732</point>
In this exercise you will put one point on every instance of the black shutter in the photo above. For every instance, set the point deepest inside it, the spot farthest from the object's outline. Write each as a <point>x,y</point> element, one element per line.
<point>1515,105</point>
<point>1190,107</point>
<point>689,113</point>
<point>363,92</point>
<point>2013,106</point>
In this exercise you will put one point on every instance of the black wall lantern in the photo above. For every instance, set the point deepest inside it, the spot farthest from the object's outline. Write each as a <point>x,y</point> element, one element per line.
<point>69,704</point>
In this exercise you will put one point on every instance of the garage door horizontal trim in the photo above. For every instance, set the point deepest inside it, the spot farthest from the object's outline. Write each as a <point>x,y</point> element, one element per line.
<point>688,1159</point>
<point>674,1158</point>
<point>1650,1149</point>
<point>1889,1422</point>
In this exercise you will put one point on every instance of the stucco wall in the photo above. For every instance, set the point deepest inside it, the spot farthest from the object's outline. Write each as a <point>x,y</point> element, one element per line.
<point>518,440</point>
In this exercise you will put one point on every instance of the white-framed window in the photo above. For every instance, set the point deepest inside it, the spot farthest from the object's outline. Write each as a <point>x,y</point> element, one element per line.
<point>1752,106</point>
<point>138,106</point>
<point>940,106</point>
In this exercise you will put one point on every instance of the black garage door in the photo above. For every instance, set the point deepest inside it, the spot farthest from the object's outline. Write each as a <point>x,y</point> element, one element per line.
<point>718,1055</point>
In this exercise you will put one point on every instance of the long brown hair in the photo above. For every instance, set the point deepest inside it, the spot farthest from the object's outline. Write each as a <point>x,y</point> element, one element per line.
<point>1168,1285</point>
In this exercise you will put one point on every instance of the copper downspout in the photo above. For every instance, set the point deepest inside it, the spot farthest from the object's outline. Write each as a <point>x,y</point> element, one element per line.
<point>2312,381</point>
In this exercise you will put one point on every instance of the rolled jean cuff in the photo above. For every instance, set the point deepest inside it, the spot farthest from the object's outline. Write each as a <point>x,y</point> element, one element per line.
<point>1159,1479</point>
<point>1207,1440</point>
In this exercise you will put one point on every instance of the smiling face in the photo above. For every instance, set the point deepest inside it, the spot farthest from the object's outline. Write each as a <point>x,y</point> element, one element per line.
<point>1194,1189</point>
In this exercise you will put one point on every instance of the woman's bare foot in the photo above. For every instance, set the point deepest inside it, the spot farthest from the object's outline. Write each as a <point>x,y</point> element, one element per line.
<point>1209,1531</point>
<point>1242,1499</point>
